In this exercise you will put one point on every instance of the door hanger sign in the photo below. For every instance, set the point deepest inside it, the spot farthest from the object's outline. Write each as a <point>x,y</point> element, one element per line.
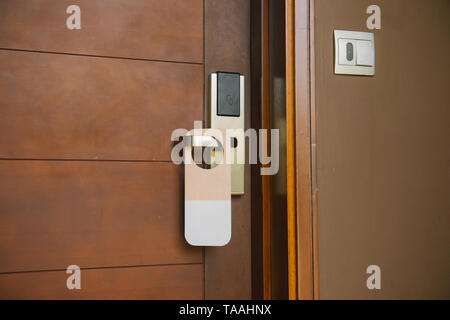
<point>207,191</point>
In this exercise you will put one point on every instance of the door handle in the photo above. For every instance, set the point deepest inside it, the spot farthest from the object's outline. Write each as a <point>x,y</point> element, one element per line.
<point>201,141</point>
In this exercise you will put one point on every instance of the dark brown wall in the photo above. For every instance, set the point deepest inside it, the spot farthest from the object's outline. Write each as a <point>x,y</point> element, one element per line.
<point>383,153</point>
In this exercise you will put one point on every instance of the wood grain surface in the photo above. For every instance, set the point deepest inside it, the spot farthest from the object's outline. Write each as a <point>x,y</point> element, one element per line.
<point>168,30</point>
<point>91,214</point>
<point>72,107</point>
<point>156,282</point>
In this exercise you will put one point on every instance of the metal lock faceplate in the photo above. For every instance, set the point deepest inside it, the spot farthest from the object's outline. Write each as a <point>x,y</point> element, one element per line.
<point>226,111</point>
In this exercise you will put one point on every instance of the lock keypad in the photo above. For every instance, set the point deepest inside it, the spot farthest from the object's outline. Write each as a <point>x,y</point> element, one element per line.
<point>228,94</point>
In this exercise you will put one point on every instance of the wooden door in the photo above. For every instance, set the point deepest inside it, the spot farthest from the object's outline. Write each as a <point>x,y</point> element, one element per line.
<point>86,177</point>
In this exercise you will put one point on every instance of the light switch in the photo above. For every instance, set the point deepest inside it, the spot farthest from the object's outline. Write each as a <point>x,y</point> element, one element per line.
<point>364,53</point>
<point>354,53</point>
<point>347,50</point>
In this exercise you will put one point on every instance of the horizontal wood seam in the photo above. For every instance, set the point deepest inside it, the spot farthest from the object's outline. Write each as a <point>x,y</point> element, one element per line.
<point>105,267</point>
<point>99,56</point>
<point>82,160</point>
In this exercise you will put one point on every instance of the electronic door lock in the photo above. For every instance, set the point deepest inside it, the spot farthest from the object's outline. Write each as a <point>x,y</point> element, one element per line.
<point>210,182</point>
<point>226,111</point>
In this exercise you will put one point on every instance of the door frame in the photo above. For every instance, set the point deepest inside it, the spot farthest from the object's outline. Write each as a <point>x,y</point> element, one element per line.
<point>300,268</point>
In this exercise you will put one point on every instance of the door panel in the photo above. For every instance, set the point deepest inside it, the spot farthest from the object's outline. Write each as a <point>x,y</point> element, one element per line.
<point>91,214</point>
<point>170,30</point>
<point>159,282</point>
<point>85,171</point>
<point>75,107</point>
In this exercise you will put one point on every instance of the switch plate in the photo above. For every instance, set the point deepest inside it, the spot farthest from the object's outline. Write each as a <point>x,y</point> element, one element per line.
<point>360,47</point>
<point>365,55</point>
